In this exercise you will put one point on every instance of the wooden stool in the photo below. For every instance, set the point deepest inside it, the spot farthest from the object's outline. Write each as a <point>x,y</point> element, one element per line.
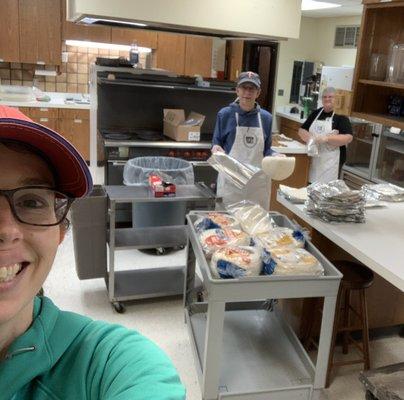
<point>356,277</point>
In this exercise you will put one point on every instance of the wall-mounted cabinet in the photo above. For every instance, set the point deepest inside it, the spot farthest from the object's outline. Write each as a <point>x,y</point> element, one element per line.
<point>171,52</point>
<point>9,31</point>
<point>30,31</point>
<point>40,31</point>
<point>198,55</point>
<point>127,36</point>
<point>382,26</point>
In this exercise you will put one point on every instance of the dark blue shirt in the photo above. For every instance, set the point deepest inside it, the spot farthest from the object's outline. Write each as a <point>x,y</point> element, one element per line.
<point>225,129</point>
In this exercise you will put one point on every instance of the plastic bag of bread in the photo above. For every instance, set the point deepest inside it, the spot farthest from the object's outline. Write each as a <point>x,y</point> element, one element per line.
<point>289,261</point>
<point>236,262</point>
<point>281,237</point>
<point>252,217</point>
<point>215,220</point>
<point>214,239</point>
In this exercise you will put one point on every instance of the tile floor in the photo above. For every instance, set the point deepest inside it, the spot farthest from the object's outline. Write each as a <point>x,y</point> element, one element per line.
<point>162,320</point>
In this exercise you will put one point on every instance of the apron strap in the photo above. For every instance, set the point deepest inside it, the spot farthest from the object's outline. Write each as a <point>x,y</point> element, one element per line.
<point>236,119</point>
<point>259,119</point>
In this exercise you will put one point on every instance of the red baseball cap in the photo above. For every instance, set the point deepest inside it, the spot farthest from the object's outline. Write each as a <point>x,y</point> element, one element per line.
<point>73,175</point>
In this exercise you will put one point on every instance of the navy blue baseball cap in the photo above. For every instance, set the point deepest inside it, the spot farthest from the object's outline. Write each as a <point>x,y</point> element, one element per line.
<point>72,173</point>
<point>249,77</point>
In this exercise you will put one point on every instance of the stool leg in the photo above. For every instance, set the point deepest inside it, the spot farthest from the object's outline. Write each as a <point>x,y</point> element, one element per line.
<point>334,338</point>
<point>345,322</point>
<point>365,329</point>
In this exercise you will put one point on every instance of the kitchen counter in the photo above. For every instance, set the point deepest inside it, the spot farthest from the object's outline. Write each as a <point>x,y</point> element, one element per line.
<point>377,243</point>
<point>293,147</point>
<point>283,112</point>
<point>57,100</point>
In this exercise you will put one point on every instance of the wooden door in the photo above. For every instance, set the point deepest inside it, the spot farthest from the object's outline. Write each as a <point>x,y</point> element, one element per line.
<point>9,31</point>
<point>40,31</point>
<point>198,56</point>
<point>171,52</point>
<point>144,38</point>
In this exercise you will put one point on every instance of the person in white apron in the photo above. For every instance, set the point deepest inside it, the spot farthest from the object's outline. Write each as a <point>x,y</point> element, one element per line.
<point>330,132</point>
<point>243,130</point>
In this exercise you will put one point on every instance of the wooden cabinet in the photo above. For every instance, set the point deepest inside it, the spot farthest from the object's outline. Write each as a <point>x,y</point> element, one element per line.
<point>235,49</point>
<point>171,52</point>
<point>40,31</point>
<point>9,31</point>
<point>198,56</point>
<point>127,36</point>
<point>343,102</point>
<point>72,124</point>
<point>382,25</point>
<point>289,128</point>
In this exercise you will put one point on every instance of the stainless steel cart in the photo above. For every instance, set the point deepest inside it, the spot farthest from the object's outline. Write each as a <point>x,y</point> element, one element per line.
<point>150,282</point>
<point>243,352</point>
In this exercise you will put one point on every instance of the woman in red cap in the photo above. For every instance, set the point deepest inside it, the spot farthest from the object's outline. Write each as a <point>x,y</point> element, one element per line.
<point>46,353</point>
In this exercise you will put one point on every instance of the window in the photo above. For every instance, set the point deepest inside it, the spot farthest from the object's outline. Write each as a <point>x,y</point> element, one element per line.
<point>346,36</point>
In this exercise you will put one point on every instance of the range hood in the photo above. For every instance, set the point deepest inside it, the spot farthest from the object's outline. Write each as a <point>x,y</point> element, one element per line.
<point>259,19</point>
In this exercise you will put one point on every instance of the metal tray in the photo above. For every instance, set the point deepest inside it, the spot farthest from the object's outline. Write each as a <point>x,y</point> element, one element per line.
<point>265,286</point>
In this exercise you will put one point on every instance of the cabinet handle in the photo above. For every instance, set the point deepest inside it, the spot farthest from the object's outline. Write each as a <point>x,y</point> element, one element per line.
<point>44,109</point>
<point>375,135</point>
<point>44,119</point>
<point>78,121</point>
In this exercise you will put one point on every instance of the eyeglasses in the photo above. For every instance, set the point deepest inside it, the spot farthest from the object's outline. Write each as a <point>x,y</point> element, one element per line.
<point>38,205</point>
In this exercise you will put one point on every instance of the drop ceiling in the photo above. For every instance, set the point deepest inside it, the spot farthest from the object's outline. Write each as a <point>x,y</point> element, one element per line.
<point>348,8</point>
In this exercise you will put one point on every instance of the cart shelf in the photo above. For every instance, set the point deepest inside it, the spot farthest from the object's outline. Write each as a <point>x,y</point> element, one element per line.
<point>149,238</point>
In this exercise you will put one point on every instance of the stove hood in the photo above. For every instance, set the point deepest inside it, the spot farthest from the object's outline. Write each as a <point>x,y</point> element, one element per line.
<point>260,19</point>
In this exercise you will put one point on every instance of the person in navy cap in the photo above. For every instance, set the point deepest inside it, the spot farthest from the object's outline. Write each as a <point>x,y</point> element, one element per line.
<point>243,131</point>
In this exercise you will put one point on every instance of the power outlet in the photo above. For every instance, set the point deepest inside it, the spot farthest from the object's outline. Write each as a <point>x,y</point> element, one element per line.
<point>280,92</point>
<point>65,56</point>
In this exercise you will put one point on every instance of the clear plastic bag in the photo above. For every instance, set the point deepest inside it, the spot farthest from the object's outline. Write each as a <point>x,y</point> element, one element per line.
<point>312,147</point>
<point>215,220</point>
<point>281,237</point>
<point>137,170</point>
<point>236,262</point>
<point>252,217</point>
<point>214,239</point>
<point>288,261</point>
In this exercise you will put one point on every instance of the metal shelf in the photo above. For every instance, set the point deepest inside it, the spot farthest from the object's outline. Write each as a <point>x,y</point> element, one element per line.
<point>149,238</point>
<point>142,283</point>
<point>261,355</point>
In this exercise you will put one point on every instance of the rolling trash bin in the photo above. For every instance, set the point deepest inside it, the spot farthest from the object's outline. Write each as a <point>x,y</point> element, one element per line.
<point>89,225</point>
<point>137,171</point>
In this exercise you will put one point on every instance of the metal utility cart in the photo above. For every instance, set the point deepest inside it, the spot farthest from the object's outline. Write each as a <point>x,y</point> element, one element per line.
<point>150,282</point>
<point>244,352</point>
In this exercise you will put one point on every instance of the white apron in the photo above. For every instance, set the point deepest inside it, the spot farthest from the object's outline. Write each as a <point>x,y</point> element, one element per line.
<point>324,167</point>
<point>248,148</point>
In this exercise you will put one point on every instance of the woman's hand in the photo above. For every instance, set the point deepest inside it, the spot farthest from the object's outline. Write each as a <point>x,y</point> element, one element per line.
<point>216,148</point>
<point>304,135</point>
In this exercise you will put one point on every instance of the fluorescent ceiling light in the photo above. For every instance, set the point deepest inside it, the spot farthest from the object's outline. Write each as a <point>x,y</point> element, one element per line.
<point>308,5</point>
<point>90,20</point>
<point>108,46</point>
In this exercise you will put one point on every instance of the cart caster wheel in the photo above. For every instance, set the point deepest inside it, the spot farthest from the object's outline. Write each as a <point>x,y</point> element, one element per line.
<point>119,307</point>
<point>369,396</point>
<point>160,251</point>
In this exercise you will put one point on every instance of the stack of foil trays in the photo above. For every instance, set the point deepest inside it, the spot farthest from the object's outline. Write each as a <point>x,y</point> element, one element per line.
<point>335,202</point>
<point>383,192</point>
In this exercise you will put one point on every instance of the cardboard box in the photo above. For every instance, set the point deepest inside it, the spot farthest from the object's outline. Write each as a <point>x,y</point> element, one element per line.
<point>182,129</point>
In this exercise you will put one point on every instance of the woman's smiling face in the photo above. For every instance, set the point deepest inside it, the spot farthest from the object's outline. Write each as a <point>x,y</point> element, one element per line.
<point>26,252</point>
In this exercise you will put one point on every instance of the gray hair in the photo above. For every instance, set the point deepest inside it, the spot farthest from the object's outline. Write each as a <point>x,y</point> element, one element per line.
<point>328,90</point>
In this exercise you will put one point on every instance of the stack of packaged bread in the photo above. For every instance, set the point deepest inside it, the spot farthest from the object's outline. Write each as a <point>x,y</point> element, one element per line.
<point>246,242</point>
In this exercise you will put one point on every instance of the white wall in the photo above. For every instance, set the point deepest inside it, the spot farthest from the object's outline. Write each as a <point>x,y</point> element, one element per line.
<point>315,43</point>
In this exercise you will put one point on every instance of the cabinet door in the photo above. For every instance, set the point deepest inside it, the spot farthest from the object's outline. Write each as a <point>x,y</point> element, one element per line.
<point>77,131</point>
<point>40,31</point>
<point>235,49</point>
<point>171,52</point>
<point>9,33</point>
<point>198,56</point>
<point>143,37</point>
